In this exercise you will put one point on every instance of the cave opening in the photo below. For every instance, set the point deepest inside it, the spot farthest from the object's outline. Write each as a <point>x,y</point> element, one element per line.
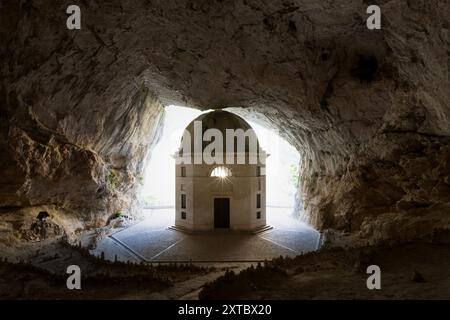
<point>157,237</point>
<point>157,195</point>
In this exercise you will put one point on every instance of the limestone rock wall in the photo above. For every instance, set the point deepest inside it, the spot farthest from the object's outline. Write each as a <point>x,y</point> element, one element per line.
<point>72,141</point>
<point>368,110</point>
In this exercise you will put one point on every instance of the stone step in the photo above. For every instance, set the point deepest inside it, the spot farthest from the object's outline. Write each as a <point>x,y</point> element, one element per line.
<point>255,231</point>
<point>262,229</point>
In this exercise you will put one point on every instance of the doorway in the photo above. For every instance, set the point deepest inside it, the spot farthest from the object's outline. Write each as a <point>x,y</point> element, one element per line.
<point>221,212</point>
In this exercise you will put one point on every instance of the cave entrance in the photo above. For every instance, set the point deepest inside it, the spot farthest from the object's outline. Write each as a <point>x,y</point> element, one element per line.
<point>155,239</point>
<point>158,191</point>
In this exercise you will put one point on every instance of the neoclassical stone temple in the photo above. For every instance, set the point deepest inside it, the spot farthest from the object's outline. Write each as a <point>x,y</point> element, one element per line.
<point>220,195</point>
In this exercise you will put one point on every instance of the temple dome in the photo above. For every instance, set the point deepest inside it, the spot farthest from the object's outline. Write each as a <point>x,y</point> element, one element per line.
<point>220,120</point>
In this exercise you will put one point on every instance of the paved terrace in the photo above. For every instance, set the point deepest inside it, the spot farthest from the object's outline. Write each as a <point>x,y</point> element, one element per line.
<point>152,241</point>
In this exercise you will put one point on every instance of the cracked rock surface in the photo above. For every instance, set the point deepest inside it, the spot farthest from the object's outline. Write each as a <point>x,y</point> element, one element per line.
<point>368,110</point>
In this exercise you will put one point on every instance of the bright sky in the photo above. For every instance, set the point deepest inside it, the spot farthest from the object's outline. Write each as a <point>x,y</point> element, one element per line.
<point>159,181</point>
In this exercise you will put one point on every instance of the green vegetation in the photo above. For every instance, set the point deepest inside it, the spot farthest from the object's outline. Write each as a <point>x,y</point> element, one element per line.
<point>294,175</point>
<point>112,179</point>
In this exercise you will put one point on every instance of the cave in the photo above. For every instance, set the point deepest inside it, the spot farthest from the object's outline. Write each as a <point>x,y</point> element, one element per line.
<point>257,203</point>
<point>368,111</point>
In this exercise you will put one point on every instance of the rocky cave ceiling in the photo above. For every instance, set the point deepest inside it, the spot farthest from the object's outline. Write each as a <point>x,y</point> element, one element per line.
<point>368,109</point>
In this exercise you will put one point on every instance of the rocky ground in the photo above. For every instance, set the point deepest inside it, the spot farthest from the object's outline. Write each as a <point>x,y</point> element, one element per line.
<point>40,273</point>
<point>408,271</point>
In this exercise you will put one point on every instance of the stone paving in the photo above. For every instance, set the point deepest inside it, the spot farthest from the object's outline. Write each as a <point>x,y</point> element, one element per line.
<point>152,241</point>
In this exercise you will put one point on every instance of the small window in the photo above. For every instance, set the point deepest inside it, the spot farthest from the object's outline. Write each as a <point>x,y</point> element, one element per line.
<point>221,172</point>
<point>259,185</point>
<point>258,201</point>
<point>183,201</point>
<point>183,215</point>
<point>182,187</point>
<point>183,171</point>
<point>258,215</point>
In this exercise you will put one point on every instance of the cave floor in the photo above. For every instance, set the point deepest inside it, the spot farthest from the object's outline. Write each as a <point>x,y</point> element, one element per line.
<point>413,270</point>
<point>151,240</point>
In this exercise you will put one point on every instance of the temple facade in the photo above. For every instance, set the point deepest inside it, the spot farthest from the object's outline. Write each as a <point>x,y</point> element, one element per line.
<point>225,194</point>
